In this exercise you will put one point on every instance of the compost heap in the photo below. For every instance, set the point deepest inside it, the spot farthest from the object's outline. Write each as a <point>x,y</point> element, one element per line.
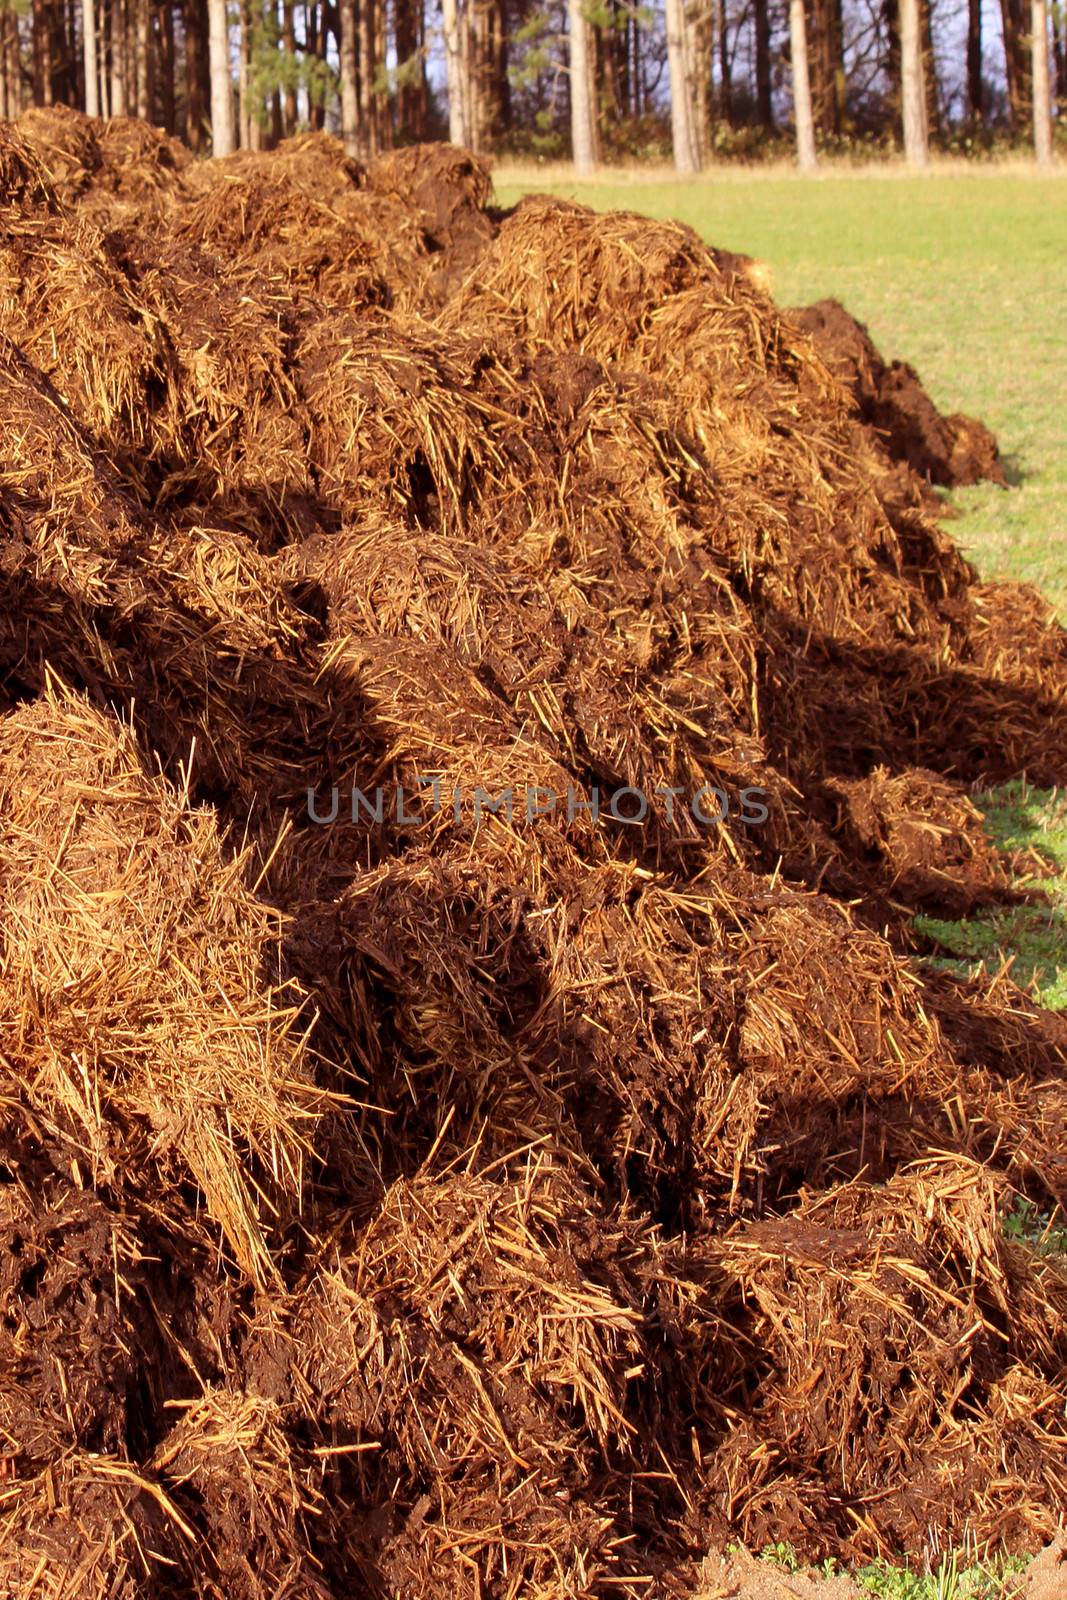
<point>441,1201</point>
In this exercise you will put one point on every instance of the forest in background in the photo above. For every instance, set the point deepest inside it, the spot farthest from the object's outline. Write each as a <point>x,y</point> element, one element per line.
<point>599,80</point>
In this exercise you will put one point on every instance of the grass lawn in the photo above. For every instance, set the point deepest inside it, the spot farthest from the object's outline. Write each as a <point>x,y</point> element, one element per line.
<point>962,272</point>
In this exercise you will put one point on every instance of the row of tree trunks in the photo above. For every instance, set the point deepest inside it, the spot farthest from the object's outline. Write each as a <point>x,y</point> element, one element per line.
<point>476,69</point>
<point>120,57</point>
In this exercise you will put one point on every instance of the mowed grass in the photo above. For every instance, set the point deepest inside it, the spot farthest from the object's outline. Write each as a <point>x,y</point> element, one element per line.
<point>962,272</point>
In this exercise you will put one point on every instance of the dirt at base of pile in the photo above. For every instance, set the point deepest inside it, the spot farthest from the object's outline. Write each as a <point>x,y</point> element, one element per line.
<point>481,700</point>
<point>951,451</point>
<point>740,1576</point>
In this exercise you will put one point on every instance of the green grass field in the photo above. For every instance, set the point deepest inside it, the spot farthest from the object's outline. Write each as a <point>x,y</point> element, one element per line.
<point>962,272</point>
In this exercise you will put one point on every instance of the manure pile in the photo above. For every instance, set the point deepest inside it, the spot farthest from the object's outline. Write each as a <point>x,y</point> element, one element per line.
<point>443,1201</point>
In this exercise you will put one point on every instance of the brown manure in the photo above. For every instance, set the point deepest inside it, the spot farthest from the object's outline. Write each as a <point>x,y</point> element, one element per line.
<point>482,698</point>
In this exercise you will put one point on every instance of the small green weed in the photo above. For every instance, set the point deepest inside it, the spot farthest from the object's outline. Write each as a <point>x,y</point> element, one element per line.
<point>1044,1231</point>
<point>958,1576</point>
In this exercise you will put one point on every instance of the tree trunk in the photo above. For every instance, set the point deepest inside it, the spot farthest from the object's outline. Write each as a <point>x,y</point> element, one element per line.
<point>411,71</point>
<point>244,79</point>
<point>481,32</point>
<point>315,35</point>
<point>802,115</point>
<point>144,59</point>
<point>820,55</point>
<point>222,130</point>
<point>92,82</point>
<point>1042,88</point>
<point>1016,64</point>
<point>726,109</point>
<point>350,118</point>
<point>912,92</point>
<point>289,106</point>
<point>583,110</point>
<point>698,20</point>
<point>456,61</point>
<point>382,111</point>
<point>683,121</point>
<point>194,99</point>
<point>974,60</point>
<point>42,65</point>
<point>764,101</point>
<point>932,87</point>
<point>167,65</point>
<point>117,11</point>
<point>7,98</point>
<point>366,78</point>
<point>104,44</point>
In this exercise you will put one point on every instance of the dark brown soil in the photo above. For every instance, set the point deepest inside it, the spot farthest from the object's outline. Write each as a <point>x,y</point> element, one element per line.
<point>950,451</point>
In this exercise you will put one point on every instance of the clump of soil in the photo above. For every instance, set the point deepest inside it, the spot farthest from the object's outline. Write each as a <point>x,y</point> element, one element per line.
<point>479,707</point>
<point>951,451</point>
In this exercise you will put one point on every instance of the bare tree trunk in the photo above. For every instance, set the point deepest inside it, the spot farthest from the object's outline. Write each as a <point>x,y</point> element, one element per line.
<point>244,73</point>
<point>42,65</point>
<point>144,59</point>
<point>932,87</point>
<point>1042,87</point>
<point>822,57</point>
<point>456,65</point>
<point>92,83</point>
<point>104,42</point>
<point>478,29</point>
<point>764,102</point>
<point>366,76</point>
<point>315,34</point>
<point>407,18</point>
<point>381,109</point>
<point>802,116</point>
<point>7,99</point>
<point>18,83</point>
<point>726,109</point>
<point>195,102</point>
<point>912,92</point>
<point>974,60</point>
<point>683,121</point>
<point>167,65</point>
<point>117,12</point>
<point>699,37</point>
<point>1016,63</point>
<point>288,31</point>
<point>72,55</point>
<point>583,115</point>
<point>222,130</point>
<point>350,118</point>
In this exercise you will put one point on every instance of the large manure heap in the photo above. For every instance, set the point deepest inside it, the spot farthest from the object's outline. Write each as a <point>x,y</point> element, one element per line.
<point>443,1200</point>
